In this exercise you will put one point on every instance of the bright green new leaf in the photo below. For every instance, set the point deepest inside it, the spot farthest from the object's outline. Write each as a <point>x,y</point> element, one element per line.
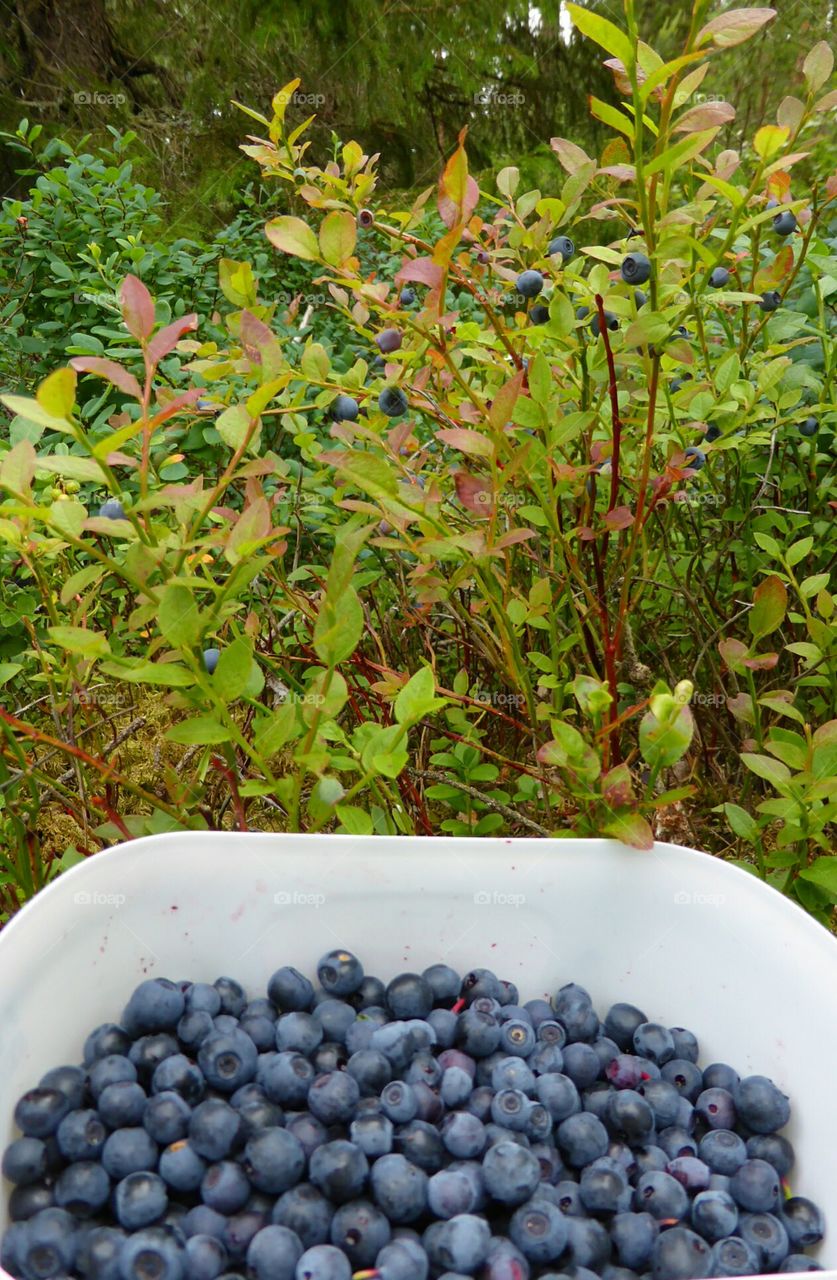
<point>418,697</point>
<point>87,644</point>
<point>338,628</point>
<point>229,679</point>
<point>178,616</point>
<point>199,731</point>
<point>608,36</point>
<point>338,235</point>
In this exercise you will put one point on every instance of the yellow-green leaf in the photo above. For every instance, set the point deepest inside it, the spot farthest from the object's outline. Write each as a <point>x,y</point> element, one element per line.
<point>293,236</point>
<point>57,393</point>
<point>338,235</point>
<point>605,33</point>
<point>609,115</point>
<point>818,66</point>
<point>769,140</point>
<point>87,644</point>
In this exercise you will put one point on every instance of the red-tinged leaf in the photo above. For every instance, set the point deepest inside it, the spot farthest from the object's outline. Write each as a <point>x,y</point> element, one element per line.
<point>775,273</point>
<point>173,406</point>
<point>764,662</point>
<point>620,76</point>
<point>167,339</point>
<point>831,192</point>
<point>458,193</point>
<point>586,534</point>
<point>514,536</point>
<point>465,441</point>
<point>733,652</point>
<point>770,603</point>
<point>137,308</point>
<point>474,493</point>
<point>705,116</point>
<point>622,172</point>
<point>570,157</point>
<point>632,829</point>
<point>255,334</point>
<point>619,518</point>
<point>734,27</point>
<point>111,372</point>
<point>421,270</point>
<point>504,401</point>
<point>617,787</point>
<point>741,708</point>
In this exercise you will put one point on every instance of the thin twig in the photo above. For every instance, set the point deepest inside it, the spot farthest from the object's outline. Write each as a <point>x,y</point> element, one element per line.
<point>436,775</point>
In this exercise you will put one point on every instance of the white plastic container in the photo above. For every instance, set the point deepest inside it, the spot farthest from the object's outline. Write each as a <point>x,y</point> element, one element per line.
<point>691,940</point>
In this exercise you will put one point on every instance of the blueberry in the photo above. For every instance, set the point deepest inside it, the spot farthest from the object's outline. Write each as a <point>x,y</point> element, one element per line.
<point>48,1247</point>
<point>344,408</point>
<point>581,1138</point>
<point>273,1253</point>
<point>204,1258</point>
<point>629,1116</point>
<point>274,1160</point>
<point>225,1186</point>
<point>539,1230</point>
<point>718,1075</point>
<point>685,1076</point>
<point>633,1236</point>
<point>808,427</point>
<point>676,1141</point>
<point>640,298</point>
<point>407,297</point>
<point>539,314</point>
<point>713,432</point>
<point>621,1022</point>
<point>409,996</point>
<point>335,1017</point>
<point>305,1211</point>
<point>444,982</point>
<point>373,1134</point>
<point>285,1077</point>
<point>477,1033</point>
<point>773,1148</point>
<point>695,458</point>
<point>530,283</point>
<point>463,1135</point>
<point>152,1254</point>
<point>233,996</point>
<point>690,1172</point>
<point>582,313</point>
<point>25,1161</point>
<point>718,278</point>
<point>581,1063</point>
<point>112,509</point>
<point>140,1200</point>
<point>215,1129</point>
<point>25,1202</point>
<point>800,1262</point>
<point>82,1188</point>
<point>155,1005</point>
<point>227,1061</point>
<point>122,1105</point>
<point>604,1187</point>
<point>588,1245</point>
<point>450,1192</point>
<point>339,1169</point>
<point>661,1195</point>
<point>421,1143</point>
<point>784,223</point>
<point>627,1071</point>
<point>755,1186</point>
<point>803,1221</point>
<point>181,1168</point>
<point>511,1172</point>
<point>98,1253</point>
<point>179,1074</point>
<point>654,1042</point>
<point>770,301</point>
<point>663,1099</point>
<point>299,1031</point>
<point>636,268</point>
<point>333,1097</point>
<point>128,1151</point>
<point>210,659</point>
<point>399,1188</point>
<point>460,1244</point>
<point>71,1081</point>
<point>203,1221</point>
<point>767,1237</point>
<point>289,990</point>
<point>562,245</point>
<point>761,1106</point>
<point>680,1254</point>
<point>714,1215</point>
<point>558,1094</point>
<point>398,1101</point>
<point>393,402</point>
<point>40,1111</point>
<point>685,1044</point>
<point>149,1051</point>
<point>12,1242</point>
<point>611,321</point>
<point>105,1040</point>
<point>723,1151</point>
<point>734,1257</point>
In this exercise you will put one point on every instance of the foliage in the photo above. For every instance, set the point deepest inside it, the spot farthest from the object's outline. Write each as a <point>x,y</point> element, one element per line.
<point>498,606</point>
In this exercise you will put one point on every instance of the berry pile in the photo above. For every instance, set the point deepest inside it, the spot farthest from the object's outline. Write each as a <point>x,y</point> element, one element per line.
<point>433,1127</point>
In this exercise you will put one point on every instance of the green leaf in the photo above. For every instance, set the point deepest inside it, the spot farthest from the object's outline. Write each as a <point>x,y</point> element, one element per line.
<point>823,872</point>
<point>325,696</point>
<point>139,671</point>
<point>87,644</point>
<point>57,393</point>
<point>71,467</point>
<point>338,235</point>
<point>274,731</point>
<point>315,363</point>
<point>418,697</point>
<point>338,628</point>
<point>354,821</point>
<point>818,66</point>
<point>686,149</point>
<point>610,116</point>
<point>773,771</point>
<point>770,602</point>
<point>230,677</point>
<point>743,824</point>
<point>293,236</point>
<point>178,616</point>
<point>232,426</point>
<point>384,752</point>
<point>34,412</point>
<point>770,545</point>
<point>199,731</point>
<point>799,551</point>
<point>663,743</point>
<point>606,35</point>
<point>9,669</point>
<point>632,829</point>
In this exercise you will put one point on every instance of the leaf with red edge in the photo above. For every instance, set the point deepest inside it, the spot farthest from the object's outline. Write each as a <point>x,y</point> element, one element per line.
<point>734,27</point>
<point>705,116</point>
<point>458,192</point>
<point>422,271</point>
<point>465,441</point>
<point>514,536</point>
<point>632,829</point>
<point>111,372</point>
<point>164,342</point>
<point>570,157</point>
<point>504,401</point>
<point>137,308</point>
<point>182,401</point>
<point>732,653</point>
<point>619,518</point>
<point>762,662</point>
<point>770,603</point>
<point>771,276</point>
<point>474,493</point>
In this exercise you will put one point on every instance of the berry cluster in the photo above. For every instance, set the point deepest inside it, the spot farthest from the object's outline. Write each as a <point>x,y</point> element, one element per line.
<point>431,1127</point>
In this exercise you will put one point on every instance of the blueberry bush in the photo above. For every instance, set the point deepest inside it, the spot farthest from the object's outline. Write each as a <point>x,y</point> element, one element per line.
<point>535,536</point>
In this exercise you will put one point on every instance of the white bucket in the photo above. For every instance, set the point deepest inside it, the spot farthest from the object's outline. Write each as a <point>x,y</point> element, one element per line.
<point>693,941</point>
